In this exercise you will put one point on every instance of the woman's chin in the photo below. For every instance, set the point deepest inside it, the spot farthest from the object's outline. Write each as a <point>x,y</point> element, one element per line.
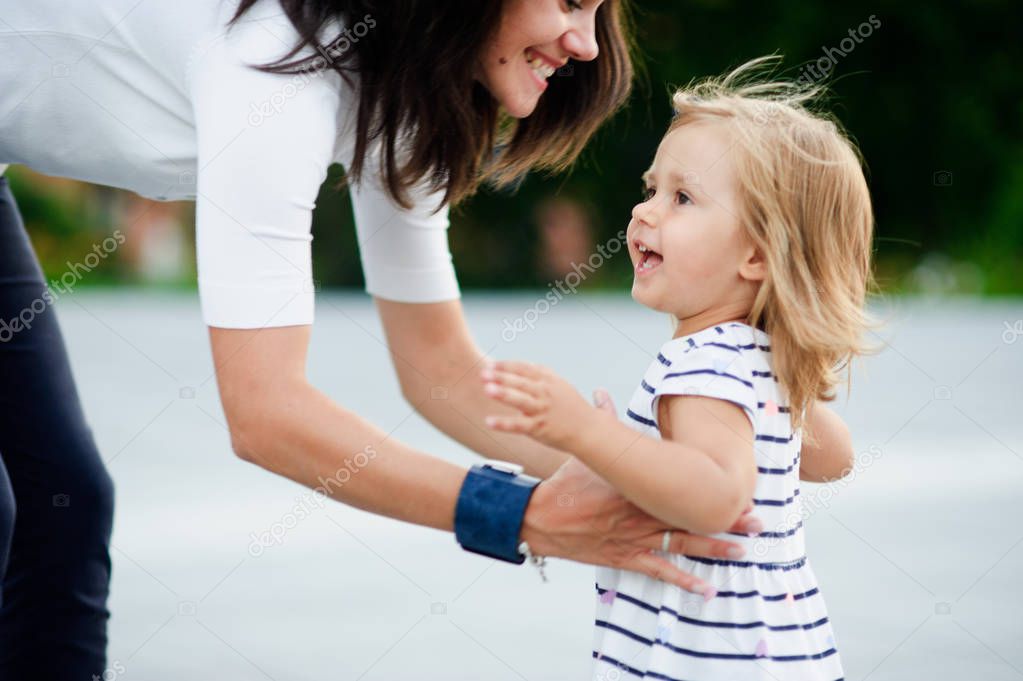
<point>520,107</point>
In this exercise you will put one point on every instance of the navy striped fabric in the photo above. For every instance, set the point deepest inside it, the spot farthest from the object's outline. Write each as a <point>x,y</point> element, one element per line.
<point>768,619</point>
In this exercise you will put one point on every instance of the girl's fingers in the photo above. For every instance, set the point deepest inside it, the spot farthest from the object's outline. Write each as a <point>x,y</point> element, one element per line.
<point>526,369</point>
<point>511,380</point>
<point>524,402</point>
<point>509,424</point>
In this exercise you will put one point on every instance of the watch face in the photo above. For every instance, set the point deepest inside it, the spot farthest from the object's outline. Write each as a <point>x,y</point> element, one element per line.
<point>504,466</point>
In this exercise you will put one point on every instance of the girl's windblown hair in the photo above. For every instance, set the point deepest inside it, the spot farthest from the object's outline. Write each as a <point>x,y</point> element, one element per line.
<point>804,204</point>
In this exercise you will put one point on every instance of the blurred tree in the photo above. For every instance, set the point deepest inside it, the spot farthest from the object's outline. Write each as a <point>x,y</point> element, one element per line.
<point>931,94</point>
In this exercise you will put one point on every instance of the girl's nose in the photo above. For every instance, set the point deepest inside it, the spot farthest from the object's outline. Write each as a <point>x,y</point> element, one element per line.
<point>644,212</point>
<point>580,41</point>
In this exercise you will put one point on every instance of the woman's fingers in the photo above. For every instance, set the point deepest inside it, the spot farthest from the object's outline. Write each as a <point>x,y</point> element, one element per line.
<point>747,524</point>
<point>658,568</point>
<point>693,545</point>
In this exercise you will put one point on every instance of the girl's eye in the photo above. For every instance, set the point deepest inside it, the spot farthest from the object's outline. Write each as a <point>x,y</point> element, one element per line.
<point>648,193</point>
<point>574,5</point>
<point>683,198</point>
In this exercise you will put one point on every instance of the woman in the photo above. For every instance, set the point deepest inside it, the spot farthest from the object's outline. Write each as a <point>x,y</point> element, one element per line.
<point>166,102</point>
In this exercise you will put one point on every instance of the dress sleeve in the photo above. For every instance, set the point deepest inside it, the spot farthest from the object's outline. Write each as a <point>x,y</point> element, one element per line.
<point>405,254</point>
<point>708,370</point>
<point>264,143</point>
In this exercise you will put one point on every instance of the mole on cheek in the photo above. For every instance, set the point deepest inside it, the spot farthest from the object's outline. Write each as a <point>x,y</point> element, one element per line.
<point>503,60</point>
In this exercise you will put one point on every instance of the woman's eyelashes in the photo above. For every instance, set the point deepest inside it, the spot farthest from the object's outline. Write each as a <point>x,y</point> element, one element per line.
<point>574,5</point>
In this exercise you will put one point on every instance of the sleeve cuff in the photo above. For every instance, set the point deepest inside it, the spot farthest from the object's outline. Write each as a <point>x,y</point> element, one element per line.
<point>411,286</point>
<point>235,307</point>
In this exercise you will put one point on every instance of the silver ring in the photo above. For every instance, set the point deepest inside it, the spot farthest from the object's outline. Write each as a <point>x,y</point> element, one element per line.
<point>666,541</point>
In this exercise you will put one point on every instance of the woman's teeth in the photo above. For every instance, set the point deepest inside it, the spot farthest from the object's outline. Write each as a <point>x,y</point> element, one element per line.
<point>540,67</point>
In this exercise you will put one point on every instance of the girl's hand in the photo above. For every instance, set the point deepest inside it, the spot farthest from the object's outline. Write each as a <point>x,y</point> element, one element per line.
<point>549,409</point>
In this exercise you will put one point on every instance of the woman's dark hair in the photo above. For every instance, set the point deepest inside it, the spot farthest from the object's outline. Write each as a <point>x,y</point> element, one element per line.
<point>416,61</point>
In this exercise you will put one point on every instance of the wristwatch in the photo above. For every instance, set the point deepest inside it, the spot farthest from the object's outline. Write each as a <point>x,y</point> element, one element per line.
<point>490,508</point>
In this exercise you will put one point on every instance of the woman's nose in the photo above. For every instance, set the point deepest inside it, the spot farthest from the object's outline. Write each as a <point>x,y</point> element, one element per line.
<point>580,42</point>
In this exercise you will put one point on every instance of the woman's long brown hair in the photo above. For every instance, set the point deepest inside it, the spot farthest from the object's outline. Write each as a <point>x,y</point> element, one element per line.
<point>415,64</point>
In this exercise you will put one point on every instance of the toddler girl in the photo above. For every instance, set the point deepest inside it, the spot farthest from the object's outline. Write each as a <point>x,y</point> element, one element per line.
<point>755,235</point>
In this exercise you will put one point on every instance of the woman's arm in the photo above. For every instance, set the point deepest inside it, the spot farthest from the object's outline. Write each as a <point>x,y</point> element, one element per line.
<point>437,362</point>
<point>828,454</point>
<point>702,478</point>
<point>280,422</point>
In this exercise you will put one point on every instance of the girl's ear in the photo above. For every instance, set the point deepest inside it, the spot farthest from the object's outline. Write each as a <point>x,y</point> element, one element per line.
<point>753,266</point>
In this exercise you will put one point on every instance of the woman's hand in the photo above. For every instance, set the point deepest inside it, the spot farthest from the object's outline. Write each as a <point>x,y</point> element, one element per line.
<point>550,410</point>
<point>576,514</point>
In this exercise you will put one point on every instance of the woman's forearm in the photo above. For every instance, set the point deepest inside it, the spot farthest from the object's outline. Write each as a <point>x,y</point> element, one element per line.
<point>460,413</point>
<point>438,365</point>
<point>304,436</point>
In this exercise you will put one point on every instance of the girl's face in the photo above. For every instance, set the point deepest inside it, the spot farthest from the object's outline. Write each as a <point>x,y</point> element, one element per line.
<point>534,39</point>
<point>699,264</point>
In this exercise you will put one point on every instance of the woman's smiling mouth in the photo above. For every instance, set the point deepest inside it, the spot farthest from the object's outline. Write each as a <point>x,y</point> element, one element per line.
<point>541,67</point>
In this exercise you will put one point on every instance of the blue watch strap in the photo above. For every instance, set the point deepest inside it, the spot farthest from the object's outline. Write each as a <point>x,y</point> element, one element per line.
<point>490,509</point>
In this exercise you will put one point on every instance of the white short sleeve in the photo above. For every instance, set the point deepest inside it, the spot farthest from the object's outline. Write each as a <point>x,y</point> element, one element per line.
<point>707,370</point>
<point>265,142</point>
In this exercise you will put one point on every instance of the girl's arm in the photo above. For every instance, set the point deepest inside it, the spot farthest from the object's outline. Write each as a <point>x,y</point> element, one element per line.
<point>828,454</point>
<point>702,478</point>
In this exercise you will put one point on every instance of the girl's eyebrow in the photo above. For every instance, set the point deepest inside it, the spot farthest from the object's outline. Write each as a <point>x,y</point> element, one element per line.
<point>673,175</point>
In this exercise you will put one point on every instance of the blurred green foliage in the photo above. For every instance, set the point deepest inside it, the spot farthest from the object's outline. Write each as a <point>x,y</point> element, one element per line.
<point>932,97</point>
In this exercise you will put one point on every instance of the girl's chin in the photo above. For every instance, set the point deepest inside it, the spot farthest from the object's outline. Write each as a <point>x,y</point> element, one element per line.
<point>644,299</point>
<point>640,297</point>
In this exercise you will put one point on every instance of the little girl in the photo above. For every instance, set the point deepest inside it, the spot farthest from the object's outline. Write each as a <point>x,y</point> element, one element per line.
<point>755,235</point>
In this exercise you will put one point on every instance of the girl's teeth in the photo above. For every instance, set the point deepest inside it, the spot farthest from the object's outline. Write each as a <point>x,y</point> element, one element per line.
<point>650,260</point>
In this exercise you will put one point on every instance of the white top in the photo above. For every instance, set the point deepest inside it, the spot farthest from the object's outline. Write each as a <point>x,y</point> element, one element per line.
<point>155,97</point>
<point>768,620</point>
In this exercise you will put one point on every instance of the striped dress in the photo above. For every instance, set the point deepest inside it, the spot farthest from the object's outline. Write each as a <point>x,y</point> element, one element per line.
<point>768,620</point>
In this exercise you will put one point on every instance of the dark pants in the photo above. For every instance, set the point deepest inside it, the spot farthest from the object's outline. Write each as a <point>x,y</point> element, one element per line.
<point>56,498</point>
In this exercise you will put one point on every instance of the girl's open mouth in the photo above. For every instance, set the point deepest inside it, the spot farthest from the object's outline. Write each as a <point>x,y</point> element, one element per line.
<point>649,261</point>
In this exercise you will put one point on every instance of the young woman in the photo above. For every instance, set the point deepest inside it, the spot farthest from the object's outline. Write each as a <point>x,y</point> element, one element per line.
<point>166,100</point>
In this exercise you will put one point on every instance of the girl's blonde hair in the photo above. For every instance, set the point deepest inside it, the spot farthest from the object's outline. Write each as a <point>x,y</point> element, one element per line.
<point>804,204</point>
